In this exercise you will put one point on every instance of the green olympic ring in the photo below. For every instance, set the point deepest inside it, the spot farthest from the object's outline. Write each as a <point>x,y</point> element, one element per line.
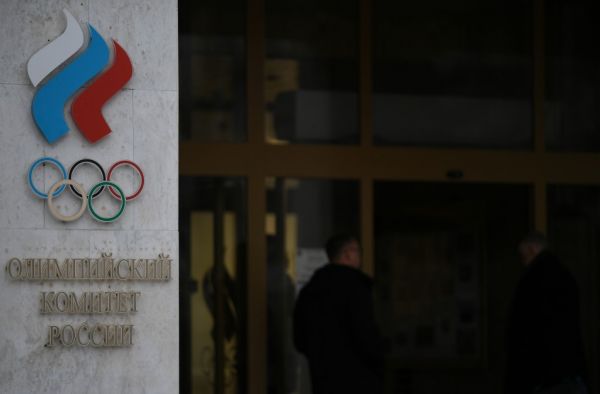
<point>91,205</point>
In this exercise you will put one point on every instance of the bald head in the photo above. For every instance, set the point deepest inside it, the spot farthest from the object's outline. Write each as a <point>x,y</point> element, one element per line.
<point>532,245</point>
<point>344,249</point>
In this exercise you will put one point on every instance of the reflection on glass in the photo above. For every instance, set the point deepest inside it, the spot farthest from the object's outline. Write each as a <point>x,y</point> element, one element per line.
<point>213,256</point>
<point>453,73</point>
<point>311,71</point>
<point>572,76</point>
<point>574,235</point>
<point>301,216</point>
<point>445,269</point>
<point>212,70</point>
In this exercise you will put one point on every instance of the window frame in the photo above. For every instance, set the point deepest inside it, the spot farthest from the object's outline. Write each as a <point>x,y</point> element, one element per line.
<point>257,160</point>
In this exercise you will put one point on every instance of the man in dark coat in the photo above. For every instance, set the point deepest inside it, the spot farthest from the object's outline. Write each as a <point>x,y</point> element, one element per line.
<point>545,351</point>
<point>334,325</point>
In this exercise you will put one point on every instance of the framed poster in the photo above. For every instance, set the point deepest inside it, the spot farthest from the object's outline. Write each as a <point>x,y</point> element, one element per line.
<point>429,288</point>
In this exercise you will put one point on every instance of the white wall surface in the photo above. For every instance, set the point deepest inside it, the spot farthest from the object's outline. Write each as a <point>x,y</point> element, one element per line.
<point>144,121</point>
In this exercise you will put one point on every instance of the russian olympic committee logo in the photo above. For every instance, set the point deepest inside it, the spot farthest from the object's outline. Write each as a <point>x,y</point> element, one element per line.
<point>78,190</point>
<point>86,109</point>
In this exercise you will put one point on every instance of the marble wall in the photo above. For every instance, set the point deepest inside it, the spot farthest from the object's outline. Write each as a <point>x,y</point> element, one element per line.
<point>144,121</point>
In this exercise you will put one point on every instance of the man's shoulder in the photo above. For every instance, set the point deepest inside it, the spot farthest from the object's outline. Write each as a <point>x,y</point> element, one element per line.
<point>338,277</point>
<point>548,272</point>
<point>548,263</point>
<point>345,274</point>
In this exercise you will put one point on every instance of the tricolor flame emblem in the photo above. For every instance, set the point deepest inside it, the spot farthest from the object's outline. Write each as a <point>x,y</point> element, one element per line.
<point>92,64</point>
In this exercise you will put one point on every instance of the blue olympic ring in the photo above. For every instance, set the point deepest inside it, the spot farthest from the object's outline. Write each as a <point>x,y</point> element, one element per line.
<point>35,165</point>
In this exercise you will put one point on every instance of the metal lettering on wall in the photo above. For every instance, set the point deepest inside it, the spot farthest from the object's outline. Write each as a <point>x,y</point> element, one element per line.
<point>104,269</point>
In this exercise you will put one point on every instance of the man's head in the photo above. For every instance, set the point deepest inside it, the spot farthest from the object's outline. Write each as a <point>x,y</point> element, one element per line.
<point>531,246</point>
<point>343,249</point>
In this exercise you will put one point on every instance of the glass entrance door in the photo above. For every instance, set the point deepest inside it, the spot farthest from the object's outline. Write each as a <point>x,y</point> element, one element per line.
<point>445,269</point>
<point>212,299</point>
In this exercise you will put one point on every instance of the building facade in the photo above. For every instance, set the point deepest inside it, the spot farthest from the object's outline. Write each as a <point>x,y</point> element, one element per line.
<point>437,132</point>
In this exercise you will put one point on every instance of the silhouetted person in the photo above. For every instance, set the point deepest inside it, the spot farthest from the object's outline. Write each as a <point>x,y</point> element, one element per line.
<point>334,324</point>
<point>545,351</point>
<point>230,308</point>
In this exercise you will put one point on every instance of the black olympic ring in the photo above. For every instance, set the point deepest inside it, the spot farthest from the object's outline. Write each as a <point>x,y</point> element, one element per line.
<point>94,163</point>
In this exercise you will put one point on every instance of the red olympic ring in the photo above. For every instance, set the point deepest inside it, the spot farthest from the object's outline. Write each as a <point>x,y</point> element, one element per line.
<point>136,168</point>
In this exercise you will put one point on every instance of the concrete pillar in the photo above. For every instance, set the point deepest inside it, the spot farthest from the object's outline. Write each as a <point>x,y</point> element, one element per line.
<point>143,117</point>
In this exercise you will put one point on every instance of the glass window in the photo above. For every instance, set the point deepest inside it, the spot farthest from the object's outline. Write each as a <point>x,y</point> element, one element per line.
<point>212,235</point>
<point>445,269</point>
<point>572,76</point>
<point>574,235</point>
<point>212,69</point>
<point>301,216</point>
<point>453,73</point>
<point>311,75</point>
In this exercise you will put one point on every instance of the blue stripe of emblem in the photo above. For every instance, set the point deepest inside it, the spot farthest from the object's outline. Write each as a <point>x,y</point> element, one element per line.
<point>49,102</point>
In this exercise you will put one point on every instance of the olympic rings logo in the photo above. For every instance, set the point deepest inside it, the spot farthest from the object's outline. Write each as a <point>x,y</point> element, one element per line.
<point>78,190</point>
